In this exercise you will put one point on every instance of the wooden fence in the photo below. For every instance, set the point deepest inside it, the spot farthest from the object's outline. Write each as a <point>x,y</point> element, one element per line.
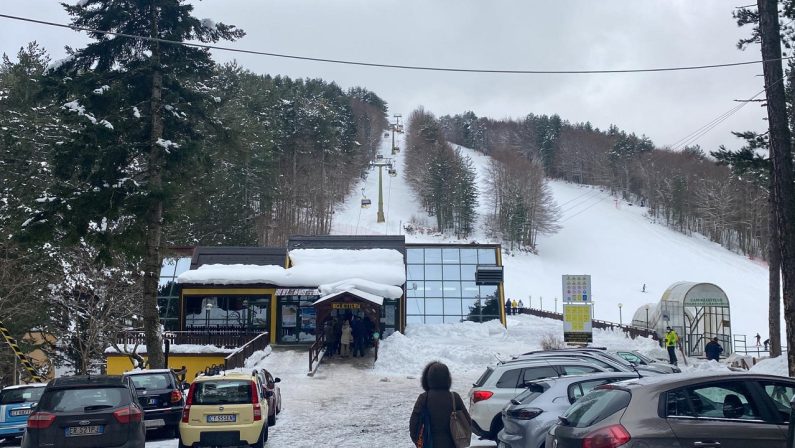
<point>632,331</point>
<point>224,337</point>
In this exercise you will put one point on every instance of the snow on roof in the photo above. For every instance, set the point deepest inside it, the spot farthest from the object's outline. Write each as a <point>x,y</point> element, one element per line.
<point>22,386</point>
<point>310,267</point>
<point>378,289</point>
<point>378,300</point>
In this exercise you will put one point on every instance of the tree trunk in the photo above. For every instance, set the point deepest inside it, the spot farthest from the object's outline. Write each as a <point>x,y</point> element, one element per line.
<point>781,158</point>
<point>774,282</point>
<point>154,216</point>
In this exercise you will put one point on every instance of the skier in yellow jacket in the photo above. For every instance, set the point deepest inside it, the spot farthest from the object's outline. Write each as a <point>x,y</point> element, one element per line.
<point>671,342</point>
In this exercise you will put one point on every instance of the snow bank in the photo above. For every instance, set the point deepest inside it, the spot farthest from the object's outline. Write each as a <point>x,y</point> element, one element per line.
<point>468,347</point>
<point>772,366</point>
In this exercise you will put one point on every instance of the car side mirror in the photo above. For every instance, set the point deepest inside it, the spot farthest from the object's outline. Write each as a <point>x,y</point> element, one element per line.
<point>277,380</point>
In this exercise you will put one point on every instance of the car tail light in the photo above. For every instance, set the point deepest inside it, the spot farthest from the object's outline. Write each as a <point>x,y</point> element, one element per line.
<point>481,395</point>
<point>524,414</point>
<point>128,415</point>
<point>609,437</point>
<point>176,396</point>
<point>255,402</point>
<point>188,402</point>
<point>40,420</point>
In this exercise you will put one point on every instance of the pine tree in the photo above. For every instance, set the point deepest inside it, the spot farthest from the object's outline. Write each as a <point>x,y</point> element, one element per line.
<point>136,110</point>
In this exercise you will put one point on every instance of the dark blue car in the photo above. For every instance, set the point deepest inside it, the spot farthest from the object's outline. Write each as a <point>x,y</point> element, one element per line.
<point>15,407</point>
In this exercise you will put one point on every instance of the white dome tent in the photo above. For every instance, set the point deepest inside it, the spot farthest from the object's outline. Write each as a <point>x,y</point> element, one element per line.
<point>697,311</point>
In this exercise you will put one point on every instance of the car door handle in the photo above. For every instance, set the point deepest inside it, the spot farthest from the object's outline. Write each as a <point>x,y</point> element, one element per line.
<point>706,444</point>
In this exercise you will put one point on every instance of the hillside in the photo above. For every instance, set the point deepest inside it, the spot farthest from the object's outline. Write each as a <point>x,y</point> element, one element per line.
<point>612,240</point>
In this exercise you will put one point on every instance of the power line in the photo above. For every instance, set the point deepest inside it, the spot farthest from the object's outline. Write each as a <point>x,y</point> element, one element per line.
<point>703,130</point>
<point>392,66</point>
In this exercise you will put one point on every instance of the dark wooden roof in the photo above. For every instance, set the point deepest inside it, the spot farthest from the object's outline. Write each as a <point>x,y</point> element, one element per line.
<point>261,256</point>
<point>397,242</point>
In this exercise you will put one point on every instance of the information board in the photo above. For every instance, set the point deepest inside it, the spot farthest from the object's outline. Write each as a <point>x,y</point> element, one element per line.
<point>577,323</point>
<point>577,288</point>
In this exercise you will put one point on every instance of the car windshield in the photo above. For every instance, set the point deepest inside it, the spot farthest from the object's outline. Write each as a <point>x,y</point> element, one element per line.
<point>21,395</point>
<point>222,392</point>
<point>152,381</point>
<point>596,406</point>
<point>84,399</point>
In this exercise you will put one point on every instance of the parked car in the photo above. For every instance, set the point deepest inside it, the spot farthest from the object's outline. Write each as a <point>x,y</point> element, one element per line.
<point>274,397</point>
<point>611,362</point>
<point>725,410</point>
<point>528,417</point>
<point>160,395</point>
<point>16,404</point>
<point>225,410</point>
<point>87,411</point>
<point>640,359</point>
<point>498,384</point>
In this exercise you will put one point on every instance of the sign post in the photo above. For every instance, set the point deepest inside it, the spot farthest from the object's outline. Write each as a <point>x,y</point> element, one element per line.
<point>577,309</point>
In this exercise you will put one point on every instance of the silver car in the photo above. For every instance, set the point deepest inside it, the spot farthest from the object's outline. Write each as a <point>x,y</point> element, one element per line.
<point>529,416</point>
<point>498,384</point>
<point>640,359</point>
<point>727,410</point>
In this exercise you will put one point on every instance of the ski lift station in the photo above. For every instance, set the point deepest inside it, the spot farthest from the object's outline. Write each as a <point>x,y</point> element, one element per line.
<point>697,311</point>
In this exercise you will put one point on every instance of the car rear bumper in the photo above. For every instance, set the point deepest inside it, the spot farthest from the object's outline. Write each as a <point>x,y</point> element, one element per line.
<point>16,430</point>
<point>158,418</point>
<point>227,435</point>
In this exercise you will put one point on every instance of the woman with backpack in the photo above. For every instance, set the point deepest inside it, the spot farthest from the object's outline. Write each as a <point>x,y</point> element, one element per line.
<point>439,418</point>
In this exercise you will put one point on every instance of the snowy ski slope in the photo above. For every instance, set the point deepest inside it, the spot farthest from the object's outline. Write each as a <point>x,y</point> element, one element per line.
<point>613,241</point>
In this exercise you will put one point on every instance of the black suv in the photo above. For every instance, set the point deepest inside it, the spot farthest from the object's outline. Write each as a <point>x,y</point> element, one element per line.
<point>160,395</point>
<point>87,411</point>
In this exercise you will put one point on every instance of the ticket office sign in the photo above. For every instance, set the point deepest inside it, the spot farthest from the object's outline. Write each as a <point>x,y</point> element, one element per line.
<point>577,288</point>
<point>577,326</point>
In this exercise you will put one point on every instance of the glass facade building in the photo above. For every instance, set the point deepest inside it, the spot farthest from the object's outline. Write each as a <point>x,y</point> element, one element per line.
<point>441,286</point>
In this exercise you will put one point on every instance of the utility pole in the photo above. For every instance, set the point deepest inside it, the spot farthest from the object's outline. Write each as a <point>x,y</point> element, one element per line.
<point>781,158</point>
<point>381,163</point>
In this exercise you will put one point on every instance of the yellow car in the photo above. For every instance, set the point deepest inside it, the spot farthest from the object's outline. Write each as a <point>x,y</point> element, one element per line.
<point>228,409</point>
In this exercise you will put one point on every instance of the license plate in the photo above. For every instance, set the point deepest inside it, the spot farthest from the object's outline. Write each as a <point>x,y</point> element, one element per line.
<point>222,418</point>
<point>153,402</point>
<point>83,430</point>
<point>18,412</point>
<point>157,423</point>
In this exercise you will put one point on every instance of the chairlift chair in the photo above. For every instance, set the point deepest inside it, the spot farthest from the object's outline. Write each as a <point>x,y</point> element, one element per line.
<point>386,134</point>
<point>366,203</point>
<point>395,150</point>
<point>379,156</point>
<point>392,172</point>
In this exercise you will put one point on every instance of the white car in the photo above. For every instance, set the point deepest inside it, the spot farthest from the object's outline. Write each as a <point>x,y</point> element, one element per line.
<point>500,383</point>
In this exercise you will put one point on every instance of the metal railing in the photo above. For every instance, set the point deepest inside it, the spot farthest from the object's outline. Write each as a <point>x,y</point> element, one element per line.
<point>741,347</point>
<point>315,349</point>
<point>238,358</point>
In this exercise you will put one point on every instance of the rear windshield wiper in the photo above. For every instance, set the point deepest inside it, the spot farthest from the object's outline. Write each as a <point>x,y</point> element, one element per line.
<point>96,407</point>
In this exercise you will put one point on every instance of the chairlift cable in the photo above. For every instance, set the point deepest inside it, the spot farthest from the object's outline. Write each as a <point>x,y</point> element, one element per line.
<point>393,66</point>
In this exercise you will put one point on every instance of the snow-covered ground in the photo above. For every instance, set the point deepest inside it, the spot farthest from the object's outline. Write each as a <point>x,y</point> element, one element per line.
<point>613,241</point>
<point>359,403</point>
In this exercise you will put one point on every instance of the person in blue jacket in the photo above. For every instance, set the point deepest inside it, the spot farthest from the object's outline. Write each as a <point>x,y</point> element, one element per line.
<point>713,350</point>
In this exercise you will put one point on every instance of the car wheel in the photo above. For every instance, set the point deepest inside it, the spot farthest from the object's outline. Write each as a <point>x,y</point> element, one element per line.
<point>496,427</point>
<point>171,432</point>
<point>263,437</point>
<point>272,419</point>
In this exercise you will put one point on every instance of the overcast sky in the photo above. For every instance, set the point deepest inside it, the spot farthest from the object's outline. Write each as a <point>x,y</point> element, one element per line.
<point>499,34</point>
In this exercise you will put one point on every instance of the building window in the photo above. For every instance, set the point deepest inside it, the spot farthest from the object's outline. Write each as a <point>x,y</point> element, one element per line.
<point>168,291</point>
<point>441,287</point>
